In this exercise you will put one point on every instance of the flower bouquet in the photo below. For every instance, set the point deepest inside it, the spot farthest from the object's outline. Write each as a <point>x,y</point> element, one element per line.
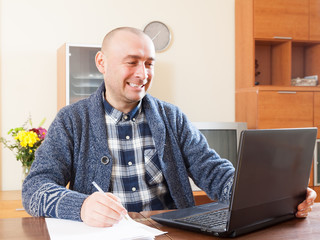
<point>25,142</point>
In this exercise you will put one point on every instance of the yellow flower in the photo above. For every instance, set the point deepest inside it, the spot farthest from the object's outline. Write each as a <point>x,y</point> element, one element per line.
<point>27,138</point>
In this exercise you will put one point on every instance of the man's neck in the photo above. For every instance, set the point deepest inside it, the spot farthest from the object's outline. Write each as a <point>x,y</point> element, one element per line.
<point>124,108</point>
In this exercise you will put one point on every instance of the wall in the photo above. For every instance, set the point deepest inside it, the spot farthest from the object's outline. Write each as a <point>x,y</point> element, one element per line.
<point>0,99</point>
<point>196,72</point>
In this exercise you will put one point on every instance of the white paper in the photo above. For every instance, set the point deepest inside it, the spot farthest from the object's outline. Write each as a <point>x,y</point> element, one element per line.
<point>60,229</point>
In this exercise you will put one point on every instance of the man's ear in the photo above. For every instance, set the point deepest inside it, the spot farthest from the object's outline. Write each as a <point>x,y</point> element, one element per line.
<point>100,62</point>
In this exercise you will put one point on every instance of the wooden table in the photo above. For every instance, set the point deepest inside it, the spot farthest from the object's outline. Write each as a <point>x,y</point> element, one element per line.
<point>35,228</point>
<point>11,205</point>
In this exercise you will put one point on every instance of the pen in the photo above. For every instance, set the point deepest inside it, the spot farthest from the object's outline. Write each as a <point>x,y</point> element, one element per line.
<point>100,190</point>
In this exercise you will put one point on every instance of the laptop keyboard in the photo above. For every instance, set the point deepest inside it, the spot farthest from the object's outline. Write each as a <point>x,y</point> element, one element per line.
<point>215,219</point>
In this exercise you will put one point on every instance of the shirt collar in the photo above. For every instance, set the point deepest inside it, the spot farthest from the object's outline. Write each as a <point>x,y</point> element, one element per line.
<point>118,115</point>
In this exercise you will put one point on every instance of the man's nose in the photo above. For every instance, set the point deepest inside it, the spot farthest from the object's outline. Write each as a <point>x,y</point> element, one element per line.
<point>141,72</point>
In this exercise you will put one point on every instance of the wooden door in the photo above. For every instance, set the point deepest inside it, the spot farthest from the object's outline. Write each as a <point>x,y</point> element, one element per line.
<point>281,18</point>
<point>314,20</point>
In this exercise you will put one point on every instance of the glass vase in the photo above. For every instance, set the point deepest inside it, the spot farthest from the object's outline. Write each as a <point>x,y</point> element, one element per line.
<point>25,172</point>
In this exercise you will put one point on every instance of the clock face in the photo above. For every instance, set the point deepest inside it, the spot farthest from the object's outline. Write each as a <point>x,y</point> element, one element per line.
<point>160,35</point>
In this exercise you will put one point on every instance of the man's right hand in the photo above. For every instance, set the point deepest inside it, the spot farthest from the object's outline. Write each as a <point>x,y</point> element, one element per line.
<point>102,210</point>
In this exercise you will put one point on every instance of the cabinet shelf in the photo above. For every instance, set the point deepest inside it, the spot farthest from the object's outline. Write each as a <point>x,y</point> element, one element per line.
<point>273,59</point>
<point>305,59</point>
<point>279,61</point>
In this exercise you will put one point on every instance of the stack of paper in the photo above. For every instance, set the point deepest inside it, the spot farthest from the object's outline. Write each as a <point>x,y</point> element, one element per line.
<point>60,229</point>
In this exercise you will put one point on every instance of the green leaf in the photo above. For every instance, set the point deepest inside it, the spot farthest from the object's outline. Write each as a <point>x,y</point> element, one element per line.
<point>42,122</point>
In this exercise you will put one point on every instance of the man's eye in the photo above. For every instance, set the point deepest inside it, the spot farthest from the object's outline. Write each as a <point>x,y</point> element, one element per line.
<point>132,63</point>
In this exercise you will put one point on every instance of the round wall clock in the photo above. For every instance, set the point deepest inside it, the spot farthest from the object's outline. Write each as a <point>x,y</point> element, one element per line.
<point>160,35</point>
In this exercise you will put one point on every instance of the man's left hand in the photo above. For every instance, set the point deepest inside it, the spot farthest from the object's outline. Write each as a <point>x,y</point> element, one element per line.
<point>306,206</point>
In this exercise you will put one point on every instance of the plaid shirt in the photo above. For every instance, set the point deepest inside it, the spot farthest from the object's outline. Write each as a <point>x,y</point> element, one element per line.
<point>136,172</point>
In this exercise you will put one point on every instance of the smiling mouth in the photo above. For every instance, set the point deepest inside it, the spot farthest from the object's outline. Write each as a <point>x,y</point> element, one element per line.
<point>136,85</point>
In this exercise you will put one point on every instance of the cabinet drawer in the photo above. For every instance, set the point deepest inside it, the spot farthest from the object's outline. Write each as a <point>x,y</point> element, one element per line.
<point>283,109</point>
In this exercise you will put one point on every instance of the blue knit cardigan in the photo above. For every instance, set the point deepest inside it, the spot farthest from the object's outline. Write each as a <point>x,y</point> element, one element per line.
<point>75,151</point>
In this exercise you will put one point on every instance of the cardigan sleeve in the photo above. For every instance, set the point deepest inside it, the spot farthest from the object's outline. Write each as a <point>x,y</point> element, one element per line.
<point>44,192</point>
<point>186,152</point>
<point>208,170</point>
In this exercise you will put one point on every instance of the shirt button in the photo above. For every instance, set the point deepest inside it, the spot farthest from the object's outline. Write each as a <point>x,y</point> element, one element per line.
<point>127,137</point>
<point>133,119</point>
<point>133,189</point>
<point>105,160</point>
<point>129,163</point>
<point>125,117</point>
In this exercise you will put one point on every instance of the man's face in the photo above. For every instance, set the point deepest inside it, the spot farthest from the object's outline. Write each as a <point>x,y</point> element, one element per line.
<point>128,68</point>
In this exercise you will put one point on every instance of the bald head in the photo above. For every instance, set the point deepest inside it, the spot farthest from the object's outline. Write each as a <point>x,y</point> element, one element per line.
<point>126,61</point>
<point>115,32</point>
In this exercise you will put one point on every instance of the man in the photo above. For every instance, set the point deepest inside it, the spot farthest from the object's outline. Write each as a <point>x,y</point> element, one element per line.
<point>140,150</point>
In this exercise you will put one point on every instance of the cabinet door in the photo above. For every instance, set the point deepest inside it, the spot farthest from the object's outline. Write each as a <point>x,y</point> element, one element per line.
<point>314,20</point>
<point>281,18</point>
<point>317,112</point>
<point>281,109</point>
<point>77,74</point>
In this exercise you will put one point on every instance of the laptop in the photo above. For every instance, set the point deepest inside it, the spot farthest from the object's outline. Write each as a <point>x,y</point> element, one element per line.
<point>271,177</point>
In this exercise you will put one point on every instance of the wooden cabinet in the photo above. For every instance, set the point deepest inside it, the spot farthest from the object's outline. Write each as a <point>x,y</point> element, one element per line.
<point>276,41</point>
<point>281,19</point>
<point>270,48</point>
